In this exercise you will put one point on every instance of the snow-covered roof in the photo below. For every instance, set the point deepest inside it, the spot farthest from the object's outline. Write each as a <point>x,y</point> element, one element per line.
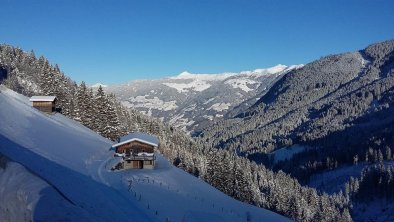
<point>42,98</point>
<point>138,136</point>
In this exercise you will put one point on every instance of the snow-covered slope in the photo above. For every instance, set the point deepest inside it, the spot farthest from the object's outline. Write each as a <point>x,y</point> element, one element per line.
<point>66,155</point>
<point>24,196</point>
<point>189,100</point>
<point>66,174</point>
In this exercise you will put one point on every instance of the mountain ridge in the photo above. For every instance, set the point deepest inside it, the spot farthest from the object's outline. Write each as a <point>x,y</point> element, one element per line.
<point>191,101</point>
<point>332,105</point>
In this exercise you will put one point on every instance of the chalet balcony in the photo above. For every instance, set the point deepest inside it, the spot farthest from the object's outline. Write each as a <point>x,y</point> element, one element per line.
<point>136,156</point>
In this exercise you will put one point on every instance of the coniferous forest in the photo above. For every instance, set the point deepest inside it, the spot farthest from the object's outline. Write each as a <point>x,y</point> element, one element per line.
<point>340,107</point>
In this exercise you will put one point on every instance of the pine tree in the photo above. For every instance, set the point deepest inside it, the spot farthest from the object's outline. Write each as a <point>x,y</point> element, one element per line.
<point>65,94</point>
<point>111,130</point>
<point>101,103</point>
<point>91,111</point>
<point>81,104</point>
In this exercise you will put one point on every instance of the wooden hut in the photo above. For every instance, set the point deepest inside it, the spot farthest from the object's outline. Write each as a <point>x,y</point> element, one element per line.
<point>137,150</point>
<point>44,103</point>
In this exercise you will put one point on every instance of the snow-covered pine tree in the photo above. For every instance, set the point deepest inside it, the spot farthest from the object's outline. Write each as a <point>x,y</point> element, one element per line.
<point>112,126</point>
<point>80,103</point>
<point>100,104</point>
<point>66,93</point>
<point>91,111</point>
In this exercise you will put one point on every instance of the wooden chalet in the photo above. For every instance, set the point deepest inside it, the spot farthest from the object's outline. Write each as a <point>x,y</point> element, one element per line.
<point>44,103</point>
<point>137,150</point>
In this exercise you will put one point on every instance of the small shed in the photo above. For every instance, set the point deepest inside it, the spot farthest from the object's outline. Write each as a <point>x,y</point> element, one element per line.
<point>44,103</point>
<point>137,150</point>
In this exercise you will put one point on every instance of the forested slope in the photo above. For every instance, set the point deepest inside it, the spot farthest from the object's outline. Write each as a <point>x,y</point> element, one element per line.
<point>339,105</point>
<point>235,176</point>
<point>330,115</point>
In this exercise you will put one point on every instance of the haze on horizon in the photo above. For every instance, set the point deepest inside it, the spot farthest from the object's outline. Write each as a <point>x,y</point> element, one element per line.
<point>114,42</point>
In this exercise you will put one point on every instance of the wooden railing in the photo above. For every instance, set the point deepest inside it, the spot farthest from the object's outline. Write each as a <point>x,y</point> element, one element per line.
<point>128,156</point>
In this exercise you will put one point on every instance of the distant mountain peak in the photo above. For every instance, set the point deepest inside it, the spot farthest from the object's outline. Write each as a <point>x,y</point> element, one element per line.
<point>272,70</point>
<point>188,75</point>
<point>98,85</point>
<point>277,68</point>
<point>221,76</point>
<point>188,100</point>
<point>185,74</point>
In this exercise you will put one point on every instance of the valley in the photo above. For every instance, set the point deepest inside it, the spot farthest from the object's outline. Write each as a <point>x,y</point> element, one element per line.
<point>197,111</point>
<point>313,120</point>
<point>190,101</point>
<point>309,142</point>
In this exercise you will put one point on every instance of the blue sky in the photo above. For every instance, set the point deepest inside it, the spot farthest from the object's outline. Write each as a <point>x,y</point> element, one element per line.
<point>116,41</point>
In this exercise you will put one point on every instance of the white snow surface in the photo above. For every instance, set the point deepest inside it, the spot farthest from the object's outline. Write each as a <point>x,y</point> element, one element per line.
<point>208,101</point>
<point>149,103</point>
<point>187,75</point>
<point>201,82</point>
<point>222,76</point>
<point>208,117</point>
<point>220,106</point>
<point>195,85</point>
<point>243,83</point>
<point>272,70</point>
<point>287,153</point>
<point>98,85</point>
<point>332,181</point>
<point>72,165</point>
<point>24,197</point>
<point>43,98</point>
<point>179,121</point>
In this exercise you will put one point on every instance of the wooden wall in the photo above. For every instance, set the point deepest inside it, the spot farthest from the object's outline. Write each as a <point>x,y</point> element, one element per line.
<point>133,164</point>
<point>44,106</point>
<point>139,164</point>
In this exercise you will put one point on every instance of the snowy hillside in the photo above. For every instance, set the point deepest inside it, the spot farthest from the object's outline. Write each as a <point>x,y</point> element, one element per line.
<point>66,168</point>
<point>191,100</point>
<point>25,196</point>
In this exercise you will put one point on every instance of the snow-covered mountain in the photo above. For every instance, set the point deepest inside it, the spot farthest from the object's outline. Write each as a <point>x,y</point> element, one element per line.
<point>98,85</point>
<point>53,168</point>
<point>190,100</point>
